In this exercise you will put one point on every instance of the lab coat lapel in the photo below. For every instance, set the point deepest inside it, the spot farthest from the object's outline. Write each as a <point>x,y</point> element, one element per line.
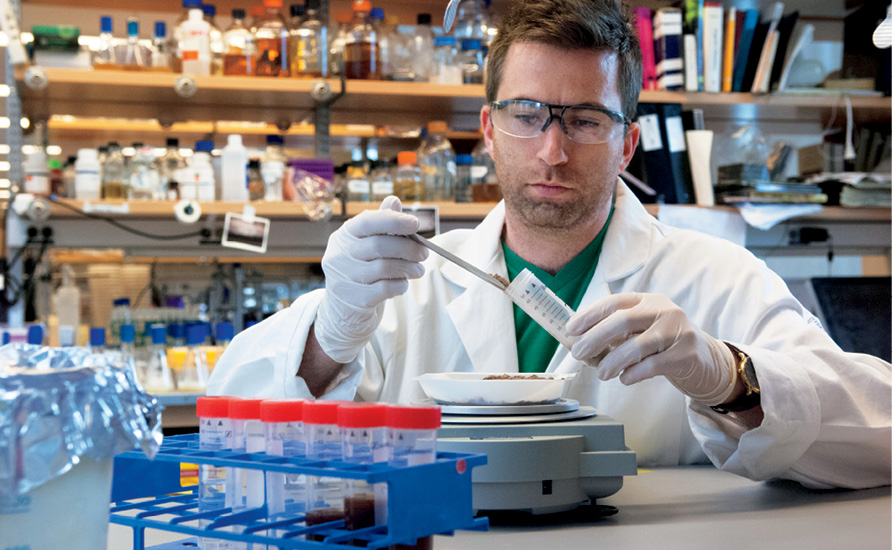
<point>482,315</point>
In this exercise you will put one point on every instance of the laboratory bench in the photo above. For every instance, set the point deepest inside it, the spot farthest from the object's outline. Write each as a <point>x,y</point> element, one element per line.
<point>684,508</point>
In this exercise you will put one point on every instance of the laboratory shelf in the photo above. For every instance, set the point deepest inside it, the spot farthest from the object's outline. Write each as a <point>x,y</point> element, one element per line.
<point>422,500</point>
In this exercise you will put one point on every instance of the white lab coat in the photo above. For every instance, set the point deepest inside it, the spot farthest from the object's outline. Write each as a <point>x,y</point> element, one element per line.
<point>827,413</point>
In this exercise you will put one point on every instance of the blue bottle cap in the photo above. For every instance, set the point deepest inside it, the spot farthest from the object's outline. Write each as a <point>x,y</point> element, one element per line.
<point>176,330</point>
<point>250,323</point>
<point>209,9</point>
<point>191,3</point>
<point>464,160</point>
<point>105,24</point>
<point>6,337</point>
<point>128,333</point>
<point>275,139</point>
<point>194,335</point>
<point>159,334</point>
<point>444,41</point>
<point>224,332</point>
<point>160,29</point>
<point>121,302</point>
<point>97,336</point>
<point>132,27</point>
<point>377,13</point>
<point>470,44</point>
<point>35,335</point>
<point>204,146</point>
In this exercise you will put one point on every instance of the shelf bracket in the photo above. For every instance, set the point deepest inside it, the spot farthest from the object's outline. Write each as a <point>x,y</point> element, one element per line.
<point>324,97</point>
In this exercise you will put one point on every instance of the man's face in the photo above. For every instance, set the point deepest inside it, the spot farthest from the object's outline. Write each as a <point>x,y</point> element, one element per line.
<point>550,183</point>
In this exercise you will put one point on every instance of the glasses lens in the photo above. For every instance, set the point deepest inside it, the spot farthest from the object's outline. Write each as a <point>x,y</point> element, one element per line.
<point>521,118</point>
<point>588,125</point>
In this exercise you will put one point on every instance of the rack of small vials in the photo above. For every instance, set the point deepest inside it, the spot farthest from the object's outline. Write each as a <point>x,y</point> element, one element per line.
<point>415,501</point>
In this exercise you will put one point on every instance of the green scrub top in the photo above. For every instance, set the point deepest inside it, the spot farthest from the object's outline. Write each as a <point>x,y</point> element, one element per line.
<point>535,347</point>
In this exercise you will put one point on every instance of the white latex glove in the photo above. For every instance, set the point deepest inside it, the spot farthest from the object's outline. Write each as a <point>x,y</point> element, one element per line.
<point>365,263</point>
<point>639,336</point>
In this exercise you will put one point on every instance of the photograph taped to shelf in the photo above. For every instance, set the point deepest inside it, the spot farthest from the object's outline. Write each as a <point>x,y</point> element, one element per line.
<point>245,231</point>
<point>428,215</point>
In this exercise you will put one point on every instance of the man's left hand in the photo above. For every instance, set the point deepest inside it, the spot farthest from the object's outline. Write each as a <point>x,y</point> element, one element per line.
<point>639,336</point>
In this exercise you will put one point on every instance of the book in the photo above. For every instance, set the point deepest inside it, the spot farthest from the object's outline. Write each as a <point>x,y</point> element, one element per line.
<point>712,46</point>
<point>756,46</point>
<point>758,197</point>
<point>744,47</point>
<point>646,39</point>
<point>692,42</point>
<point>732,38</point>
<point>667,49</point>
<point>762,77</point>
<point>785,29</point>
<point>802,37</point>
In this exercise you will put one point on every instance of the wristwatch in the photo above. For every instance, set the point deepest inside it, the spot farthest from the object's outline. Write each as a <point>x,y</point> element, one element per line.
<point>747,374</point>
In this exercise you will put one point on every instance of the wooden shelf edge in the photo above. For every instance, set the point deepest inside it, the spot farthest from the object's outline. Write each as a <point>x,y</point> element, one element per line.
<point>448,210</point>
<point>425,89</point>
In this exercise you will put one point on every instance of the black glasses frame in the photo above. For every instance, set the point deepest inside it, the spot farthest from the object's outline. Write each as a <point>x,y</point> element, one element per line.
<point>615,116</point>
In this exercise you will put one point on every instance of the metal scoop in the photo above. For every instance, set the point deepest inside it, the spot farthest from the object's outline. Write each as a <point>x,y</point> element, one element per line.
<point>458,261</point>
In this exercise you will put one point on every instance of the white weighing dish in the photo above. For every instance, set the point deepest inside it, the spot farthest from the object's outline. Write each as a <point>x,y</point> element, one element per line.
<point>470,388</point>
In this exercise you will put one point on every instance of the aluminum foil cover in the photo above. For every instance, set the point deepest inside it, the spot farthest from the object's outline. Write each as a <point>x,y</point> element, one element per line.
<point>60,404</point>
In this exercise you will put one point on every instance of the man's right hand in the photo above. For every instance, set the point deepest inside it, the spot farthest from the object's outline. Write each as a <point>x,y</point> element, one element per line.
<point>366,262</point>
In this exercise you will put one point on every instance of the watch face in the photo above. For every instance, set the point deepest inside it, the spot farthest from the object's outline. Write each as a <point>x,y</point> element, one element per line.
<point>750,374</point>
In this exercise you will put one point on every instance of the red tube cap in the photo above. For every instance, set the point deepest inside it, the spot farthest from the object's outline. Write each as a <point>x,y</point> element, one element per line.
<point>282,410</point>
<point>412,417</point>
<point>362,415</point>
<point>245,409</point>
<point>213,406</point>
<point>322,411</point>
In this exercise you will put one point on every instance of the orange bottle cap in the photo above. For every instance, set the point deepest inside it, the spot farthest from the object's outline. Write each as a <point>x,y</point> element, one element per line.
<point>437,127</point>
<point>272,3</point>
<point>406,157</point>
<point>362,5</point>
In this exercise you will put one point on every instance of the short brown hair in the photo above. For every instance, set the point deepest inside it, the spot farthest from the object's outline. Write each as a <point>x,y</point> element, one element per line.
<point>572,25</point>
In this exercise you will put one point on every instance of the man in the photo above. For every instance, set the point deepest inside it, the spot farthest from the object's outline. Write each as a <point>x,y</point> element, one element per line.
<point>670,322</point>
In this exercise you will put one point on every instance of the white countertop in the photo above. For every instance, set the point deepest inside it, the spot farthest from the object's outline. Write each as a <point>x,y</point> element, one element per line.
<point>691,508</point>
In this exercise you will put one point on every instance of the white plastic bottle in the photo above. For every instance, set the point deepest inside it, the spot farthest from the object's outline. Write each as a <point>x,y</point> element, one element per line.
<point>37,173</point>
<point>67,302</point>
<point>196,44</point>
<point>200,183</point>
<point>272,168</point>
<point>234,170</point>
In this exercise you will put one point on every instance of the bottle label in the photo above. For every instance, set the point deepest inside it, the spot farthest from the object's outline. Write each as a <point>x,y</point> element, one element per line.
<point>358,186</point>
<point>382,187</point>
<point>479,172</point>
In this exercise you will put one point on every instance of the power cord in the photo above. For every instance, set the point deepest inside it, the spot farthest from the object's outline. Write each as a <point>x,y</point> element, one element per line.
<point>124,227</point>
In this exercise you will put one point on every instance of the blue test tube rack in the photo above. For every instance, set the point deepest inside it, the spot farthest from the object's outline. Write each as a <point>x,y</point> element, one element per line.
<point>422,500</point>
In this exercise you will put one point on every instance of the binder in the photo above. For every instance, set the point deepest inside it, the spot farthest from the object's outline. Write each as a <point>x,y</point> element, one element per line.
<point>666,167</point>
<point>679,163</point>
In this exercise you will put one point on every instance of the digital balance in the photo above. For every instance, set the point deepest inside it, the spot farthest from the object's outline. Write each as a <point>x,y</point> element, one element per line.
<point>542,458</point>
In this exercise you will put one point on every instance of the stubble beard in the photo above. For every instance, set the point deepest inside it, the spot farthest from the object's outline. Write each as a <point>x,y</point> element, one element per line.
<point>547,216</point>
